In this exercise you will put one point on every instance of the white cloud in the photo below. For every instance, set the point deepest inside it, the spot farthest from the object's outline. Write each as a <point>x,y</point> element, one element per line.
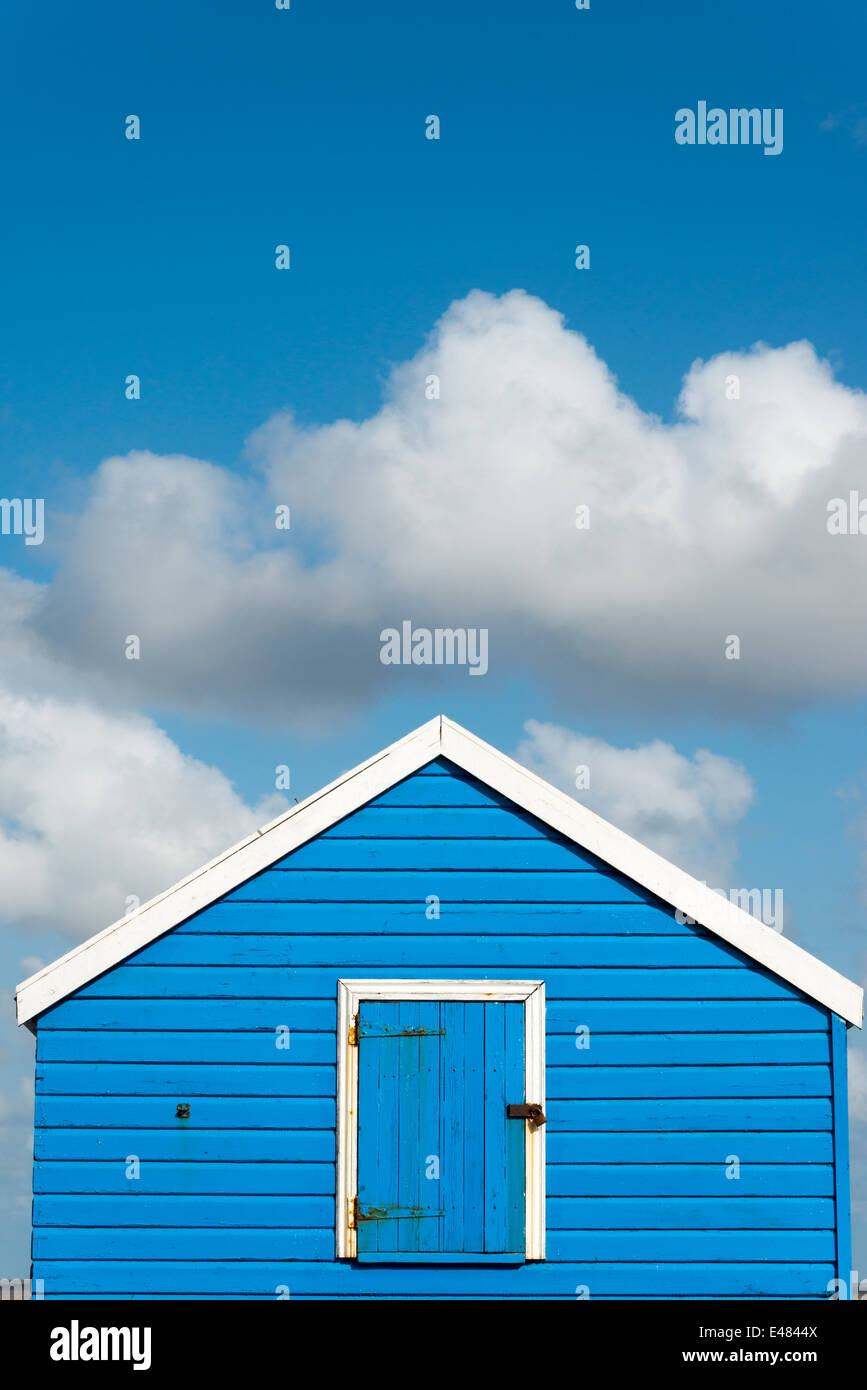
<point>96,807</point>
<point>460,512</point>
<point>851,119</point>
<point>684,808</point>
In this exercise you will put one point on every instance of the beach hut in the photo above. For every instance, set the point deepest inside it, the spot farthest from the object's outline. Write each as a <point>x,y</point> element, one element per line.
<point>440,1031</point>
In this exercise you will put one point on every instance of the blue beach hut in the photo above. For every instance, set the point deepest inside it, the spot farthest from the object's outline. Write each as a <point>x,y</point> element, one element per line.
<point>439,1031</point>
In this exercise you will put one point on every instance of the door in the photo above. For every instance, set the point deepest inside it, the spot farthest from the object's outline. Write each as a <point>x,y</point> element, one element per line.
<point>440,1164</point>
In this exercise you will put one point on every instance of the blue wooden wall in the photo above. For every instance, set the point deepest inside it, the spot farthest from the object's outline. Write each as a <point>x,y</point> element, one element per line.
<point>695,1055</point>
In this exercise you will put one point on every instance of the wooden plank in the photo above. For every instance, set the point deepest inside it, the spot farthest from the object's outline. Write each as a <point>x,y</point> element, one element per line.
<point>403,1257</point>
<point>540,855</point>
<point>539,1279</point>
<point>453,1088</point>
<point>210,1112</point>
<point>636,1050</point>
<point>443,822</point>
<point>378,1125</point>
<point>611,1083</point>
<point>759,1246</point>
<point>515,1137</point>
<point>188,1210</point>
<point>405,1297</point>
<point>427,1297</point>
<point>685,1016</point>
<point>306,982</point>
<point>133,1243</point>
<point>355,952</point>
<point>183,1080</point>
<point>282,1179</point>
<point>689,1213</point>
<point>406,1180</point>
<point>226,1015</point>
<point>482,886</point>
<point>494,1133</point>
<point>440,791</point>
<point>656,1114</point>
<point>383,1235</point>
<point>401,919</point>
<point>685,1049</point>
<point>665,1180</point>
<point>673,1146</point>
<point>402,1182</point>
<point>473,1128</point>
<point>429,1183</point>
<point>304,1049</point>
<point>191,1146</point>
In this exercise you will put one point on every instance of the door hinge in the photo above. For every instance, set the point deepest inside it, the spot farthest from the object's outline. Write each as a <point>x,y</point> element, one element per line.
<point>352,1214</point>
<point>353,1032</point>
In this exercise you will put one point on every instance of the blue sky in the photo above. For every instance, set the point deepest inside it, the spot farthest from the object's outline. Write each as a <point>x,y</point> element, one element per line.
<point>306,127</point>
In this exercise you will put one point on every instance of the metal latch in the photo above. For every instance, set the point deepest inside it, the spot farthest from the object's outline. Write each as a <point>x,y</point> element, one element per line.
<point>534,1113</point>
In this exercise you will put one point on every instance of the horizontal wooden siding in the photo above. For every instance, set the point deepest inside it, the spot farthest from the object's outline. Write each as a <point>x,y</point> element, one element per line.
<point>696,1058</point>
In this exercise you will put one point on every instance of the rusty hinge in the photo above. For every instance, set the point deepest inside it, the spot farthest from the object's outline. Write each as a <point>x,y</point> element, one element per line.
<point>352,1214</point>
<point>353,1032</point>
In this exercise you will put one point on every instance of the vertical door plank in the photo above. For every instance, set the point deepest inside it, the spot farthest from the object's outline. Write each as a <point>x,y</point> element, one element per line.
<point>453,1123</point>
<point>496,1183</point>
<point>409,1194</point>
<point>377,1124</point>
<point>431,1103</point>
<point>474,1128</point>
<point>515,1130</point>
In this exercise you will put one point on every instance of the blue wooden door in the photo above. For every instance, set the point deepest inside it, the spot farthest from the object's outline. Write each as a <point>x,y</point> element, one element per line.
<point>440,1166</point>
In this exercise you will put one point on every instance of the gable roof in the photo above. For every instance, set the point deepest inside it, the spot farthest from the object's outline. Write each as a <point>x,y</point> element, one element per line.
<point>440,737</point>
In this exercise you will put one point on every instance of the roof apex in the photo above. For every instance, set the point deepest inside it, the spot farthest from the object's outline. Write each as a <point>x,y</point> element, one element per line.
<point>439,737</point>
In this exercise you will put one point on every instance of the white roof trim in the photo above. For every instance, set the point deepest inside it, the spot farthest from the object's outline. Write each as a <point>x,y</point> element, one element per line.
<point>440,737</point>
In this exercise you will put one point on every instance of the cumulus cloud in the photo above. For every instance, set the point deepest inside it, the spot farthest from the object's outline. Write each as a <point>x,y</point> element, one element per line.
<point>460,512</point>
<point>685,808</point>
<point>96,807</point>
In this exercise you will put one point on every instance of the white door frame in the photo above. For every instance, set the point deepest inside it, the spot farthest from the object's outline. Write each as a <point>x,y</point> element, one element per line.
<point>350,993</point>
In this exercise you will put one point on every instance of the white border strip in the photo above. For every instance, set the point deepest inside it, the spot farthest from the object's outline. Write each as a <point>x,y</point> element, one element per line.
<point>350,994</point>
